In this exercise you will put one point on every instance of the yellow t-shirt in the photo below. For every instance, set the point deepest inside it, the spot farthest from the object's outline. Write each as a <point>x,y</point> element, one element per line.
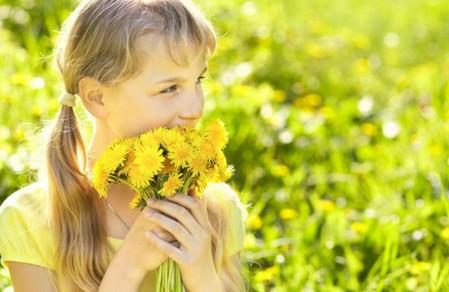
<point>25,235</point>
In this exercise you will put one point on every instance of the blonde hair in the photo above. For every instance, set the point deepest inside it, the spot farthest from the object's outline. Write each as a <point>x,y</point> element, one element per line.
<point>98,40</point>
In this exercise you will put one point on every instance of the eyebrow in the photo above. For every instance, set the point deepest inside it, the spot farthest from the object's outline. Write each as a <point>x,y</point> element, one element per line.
<point>177,79</point>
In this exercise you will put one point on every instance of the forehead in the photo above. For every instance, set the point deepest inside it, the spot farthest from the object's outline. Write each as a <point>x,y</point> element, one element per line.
<point>157,58</point>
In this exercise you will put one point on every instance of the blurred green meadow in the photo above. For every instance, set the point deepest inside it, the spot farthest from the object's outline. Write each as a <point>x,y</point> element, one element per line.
<point>338,122</point>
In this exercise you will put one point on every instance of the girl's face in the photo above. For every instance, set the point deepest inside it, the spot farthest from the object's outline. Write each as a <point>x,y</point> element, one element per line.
<point>163,94</point>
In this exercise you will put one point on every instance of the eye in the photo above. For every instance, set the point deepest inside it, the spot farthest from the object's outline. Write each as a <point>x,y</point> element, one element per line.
<point>168,90</point>
<point>173,88</point>
<point>201,78</point>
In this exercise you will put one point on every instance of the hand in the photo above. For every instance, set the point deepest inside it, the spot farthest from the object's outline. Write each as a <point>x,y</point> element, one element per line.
<point>140,253</point>
<point>186,218</point>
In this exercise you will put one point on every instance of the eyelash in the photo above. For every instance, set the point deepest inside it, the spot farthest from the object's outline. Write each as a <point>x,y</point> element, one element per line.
<point>168,92</point>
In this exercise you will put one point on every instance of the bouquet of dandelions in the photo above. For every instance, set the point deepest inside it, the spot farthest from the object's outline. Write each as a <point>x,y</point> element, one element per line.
<point>160,163</point>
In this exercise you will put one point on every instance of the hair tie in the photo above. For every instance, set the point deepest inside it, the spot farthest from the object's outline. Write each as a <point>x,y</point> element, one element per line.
<point>67,99</point>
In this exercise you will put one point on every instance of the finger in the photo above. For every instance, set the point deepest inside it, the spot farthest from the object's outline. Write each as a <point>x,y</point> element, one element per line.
<point>178,212</point>
<point>196,207</point>
<point>161,232</point>
<point>173,252</point>
<point>173,226</point>
<point>165,235</point>
<point>175,243</point>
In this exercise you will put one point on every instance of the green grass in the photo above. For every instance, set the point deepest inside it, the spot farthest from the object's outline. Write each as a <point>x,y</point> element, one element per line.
<point>338,122</point>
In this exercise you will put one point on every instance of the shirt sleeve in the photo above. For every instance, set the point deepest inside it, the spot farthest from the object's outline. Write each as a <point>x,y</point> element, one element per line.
<point>19,238</point>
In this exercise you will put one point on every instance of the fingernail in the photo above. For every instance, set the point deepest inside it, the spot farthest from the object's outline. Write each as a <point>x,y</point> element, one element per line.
<point>151,201</point>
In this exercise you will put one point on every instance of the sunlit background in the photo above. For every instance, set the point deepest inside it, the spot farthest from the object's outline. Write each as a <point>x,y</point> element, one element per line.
<point>338,124</point>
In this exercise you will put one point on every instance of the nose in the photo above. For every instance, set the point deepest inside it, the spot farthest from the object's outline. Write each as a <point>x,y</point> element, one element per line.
<point>193,109</point>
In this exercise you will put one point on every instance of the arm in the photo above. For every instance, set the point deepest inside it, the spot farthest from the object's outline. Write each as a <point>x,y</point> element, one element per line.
<point>29,277</point>
<point>120,277</point>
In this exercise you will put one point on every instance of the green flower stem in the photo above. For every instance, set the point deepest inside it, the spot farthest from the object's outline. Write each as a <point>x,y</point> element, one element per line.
<point>169,278</point>
<point>187,184</point>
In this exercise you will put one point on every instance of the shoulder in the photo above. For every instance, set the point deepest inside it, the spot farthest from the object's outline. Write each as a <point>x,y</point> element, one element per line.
<point>29,201</point>
<point>29,194</point>
<point>234,213</point>
<point>222,193</point>
<point>24,226</point>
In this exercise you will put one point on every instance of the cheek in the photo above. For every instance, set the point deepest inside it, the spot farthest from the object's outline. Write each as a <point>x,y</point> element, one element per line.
<point>124,120</point>
<point>159,114</point>
<point>123,125</point>
<point>147,116</point>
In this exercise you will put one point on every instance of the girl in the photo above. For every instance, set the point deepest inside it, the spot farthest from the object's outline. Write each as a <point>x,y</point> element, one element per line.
<point>135,65</point>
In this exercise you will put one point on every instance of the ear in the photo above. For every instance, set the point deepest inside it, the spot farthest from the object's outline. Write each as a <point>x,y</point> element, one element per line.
<point>92,93</point>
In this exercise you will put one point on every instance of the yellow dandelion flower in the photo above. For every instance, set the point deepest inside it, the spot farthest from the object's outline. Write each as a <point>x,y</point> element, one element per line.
<point>114,156</point>
<point>195,140</point>
<point>128,142</point>
<point>214,174</point>
<point>154,136</point>
<point>159,134</point>
<point>168,166</point>
<point>445,233</point>
<point>207,149</point>
<point>220,174</point>
<point>100,178</point>
<point>190,135</point>
<point>287,213</point>
<point>198,164</point>
<point>138,178</point>
<point>216,133</point>
<point>188,132</point>
<point>359,227</point>
<point>145,141</point>
<point>180,154</point>
<point>135,201</point>
<point>172,185</point>
<point>221,171</point>
<point>200,185</point>
<point>255,222</point>
<point>149,160</point>
<point>171,137</point>
<point>326,205</point>
<point>146,138</point>
<point>128,164</point>
<point>420,267</point>
<point>220,159</point>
